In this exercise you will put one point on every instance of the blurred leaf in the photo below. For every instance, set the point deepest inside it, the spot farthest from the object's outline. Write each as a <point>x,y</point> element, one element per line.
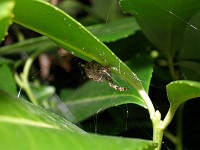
<point>163,22</point>
<point>26,114</point>
<point>106,10</point>
<point>190,70</point>
<point>115,30</point>
<point>72,7</point>
<point>40,129</point>
<point>6,15</point>
<point>94,97</point>
<point>191,45</point>
<point>7,82</point>
<point>189,55</point>
<point>181,91</point>
<point>42,93</point>
<point>6,61</point>
<point>27,46</point>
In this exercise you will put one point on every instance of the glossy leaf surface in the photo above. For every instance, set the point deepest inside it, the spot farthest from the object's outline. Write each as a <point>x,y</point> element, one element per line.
<point>40,129</point>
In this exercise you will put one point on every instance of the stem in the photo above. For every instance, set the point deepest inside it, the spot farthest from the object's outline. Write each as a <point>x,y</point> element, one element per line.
<point>148,102</point>
<point>179,144</point>
<point>170,137</point>
<point>24,77</point>
<point>22,80</point>
<point>168,117</point>
<point>157,136</point>
<point>155,117</point>
<point>171,68</point>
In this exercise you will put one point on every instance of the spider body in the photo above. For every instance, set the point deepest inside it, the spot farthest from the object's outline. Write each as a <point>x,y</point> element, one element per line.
<point>99,73</point>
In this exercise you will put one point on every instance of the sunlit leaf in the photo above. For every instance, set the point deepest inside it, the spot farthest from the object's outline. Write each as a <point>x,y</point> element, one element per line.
<point>71,35</point>
<point>181,91</point>
<point>39,129</point>
<point>6,15</point>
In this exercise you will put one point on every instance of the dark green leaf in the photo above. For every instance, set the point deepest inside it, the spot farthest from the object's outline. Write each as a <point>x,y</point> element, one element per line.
<point>189,54</point>
<point>163,22</point>
<point>191,45</point>
<point>111,9</point>
<point>190,70</point>
<point>115,30</point>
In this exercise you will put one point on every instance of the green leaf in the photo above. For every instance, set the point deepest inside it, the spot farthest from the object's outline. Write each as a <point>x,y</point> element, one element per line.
<point>42,93</point>
<point>6,15</point>
<point>105,32</point>
<point>95,97</point>
<point>27,46</point>
<point>189,55</point>
<point>7,81</point>
<point>163,22</point>
<point>72,7</point>
<point>60,27</point>
<point>190,69</point>
<point>40,129</point>
<point>70,35</point>
<point>26,114</point>
<point>181,91</point>
<point>190,46</point>
<point>111,9</point>
<point>112,31</point>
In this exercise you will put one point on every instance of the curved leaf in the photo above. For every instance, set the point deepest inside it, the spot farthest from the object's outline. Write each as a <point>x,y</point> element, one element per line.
<point>70,35</point>
<point>181,91</point>
<point>6,15</point>
<point>39,129</point>
<point>108,32</point>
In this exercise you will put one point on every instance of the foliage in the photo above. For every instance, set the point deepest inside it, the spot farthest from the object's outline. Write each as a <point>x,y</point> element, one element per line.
<point>174,51</point>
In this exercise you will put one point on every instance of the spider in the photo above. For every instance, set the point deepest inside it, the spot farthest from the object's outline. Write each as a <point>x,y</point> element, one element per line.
<point>99,73</point>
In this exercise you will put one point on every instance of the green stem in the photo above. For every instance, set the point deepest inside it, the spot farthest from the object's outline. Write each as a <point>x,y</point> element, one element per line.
<point>22,80</point>
<point>179,144</point>
<point>171,68</point>
<point>155,117</point>
<point>157,131</point>
<point>168,117</point>
<point>170,137</point>
<point>157,136</point>
<point>148,102</point>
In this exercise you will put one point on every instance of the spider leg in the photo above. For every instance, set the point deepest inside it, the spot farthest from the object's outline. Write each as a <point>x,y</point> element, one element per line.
<point>99,80</point>
<point>118,88</point>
